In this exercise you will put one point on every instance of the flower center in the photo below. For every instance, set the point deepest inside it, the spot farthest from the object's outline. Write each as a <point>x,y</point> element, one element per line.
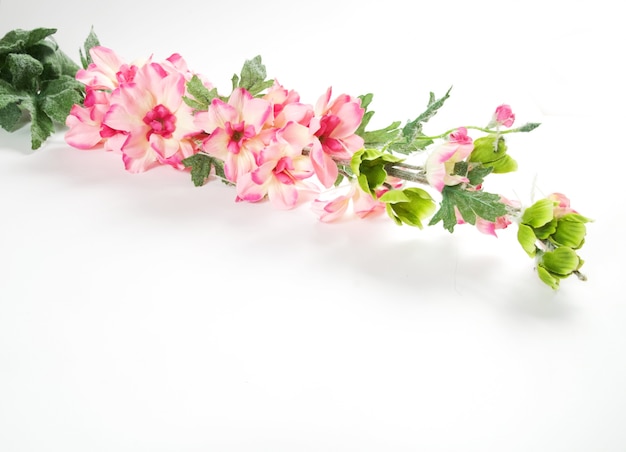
<point>161,121</point>
<point>282,171</point>
<point>327,124</point>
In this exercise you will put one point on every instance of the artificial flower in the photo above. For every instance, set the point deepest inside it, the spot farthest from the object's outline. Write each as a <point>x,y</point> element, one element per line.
<point>234,130</point>
<point>334,127</point>
<point>439,165</point>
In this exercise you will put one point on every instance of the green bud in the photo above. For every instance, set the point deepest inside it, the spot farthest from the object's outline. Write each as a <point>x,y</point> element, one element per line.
<point>562,261</point>
<point>526,237</point>
<point>569,233</point>
<point>409,206</point>
<point>486,152</point>
<point>548,278</point>
<point>539,214</point>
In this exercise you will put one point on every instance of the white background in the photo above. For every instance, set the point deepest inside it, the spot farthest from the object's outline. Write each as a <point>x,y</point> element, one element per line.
<point>139,313</point>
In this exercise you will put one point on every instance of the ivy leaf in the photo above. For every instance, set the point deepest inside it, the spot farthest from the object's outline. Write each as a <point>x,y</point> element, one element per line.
<point>91,41</point>
<point>201,96</point>
<point>18,40</point>
<point>25,71</point>
<point>201,165</point>
<point>477,174</point>
<point>412,138</point>
<point>470,204</point>
<point>252,77</point>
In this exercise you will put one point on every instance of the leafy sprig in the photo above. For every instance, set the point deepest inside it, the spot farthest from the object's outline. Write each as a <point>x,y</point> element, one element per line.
<point>37,83</point>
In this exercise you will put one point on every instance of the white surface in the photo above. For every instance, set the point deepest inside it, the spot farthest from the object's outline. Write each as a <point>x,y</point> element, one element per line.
<point>138,313</point>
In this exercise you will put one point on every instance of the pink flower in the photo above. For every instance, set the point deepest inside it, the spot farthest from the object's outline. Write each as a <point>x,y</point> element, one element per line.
<point>439,165</point>
<point>286,106</point>
<point>503,116</point>
<point>363,204</point>
<point>234,129</point>
<point>562,206</point>
<point>282,170</point>
<point>334,125</point>
<point>107,70</point>
<point>158,124</point>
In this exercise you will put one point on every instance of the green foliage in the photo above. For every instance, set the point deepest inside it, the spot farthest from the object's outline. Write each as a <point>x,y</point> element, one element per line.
<point>409,206</point>
<point>471,205</point>
<point>412,138</point>
<point>252,77</point>
<point>201,165</point>
<point>37,83</point>
<point>91,41</point>
<point>200,96</point>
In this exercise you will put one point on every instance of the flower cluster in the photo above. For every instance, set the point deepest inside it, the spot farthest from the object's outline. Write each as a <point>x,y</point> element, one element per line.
<point>262,139</point>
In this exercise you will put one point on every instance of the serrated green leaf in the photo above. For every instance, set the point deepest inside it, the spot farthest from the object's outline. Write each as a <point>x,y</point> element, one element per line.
<point>41,127</point>
<point>25,71</point>
<point>380,137</point>
<point>201,96</point>
<point>477,174</point>
<point>58,106</point>
<point>201,165</point>
<point>10,117</point>
<point>253,77</point>
<point>470,204</point>
<point>91,41</point>
<point>16,41</point>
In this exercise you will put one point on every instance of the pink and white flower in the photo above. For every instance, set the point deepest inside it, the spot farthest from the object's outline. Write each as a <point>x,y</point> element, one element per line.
<point>281,170</point>
<point>439,165</point>
<point>158,124</point>
<point>363,204</point>
<point>334,127</point>
<point>562,204</point>
<point>234,130</point>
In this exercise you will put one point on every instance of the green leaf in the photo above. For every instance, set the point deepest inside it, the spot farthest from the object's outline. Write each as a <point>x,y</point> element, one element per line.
<point>201,165</point>
<point>58,106</point>
<point>409,206</point>
<point>539,214</point>
<point>529,126</point>
<point>10,117</point>
<point>380,137</point>
<point>201,96</point>
<point>18,40</point>
<point>91,41</point>
<point>411,138</point>
<point>253,77</point>
<point>25,71</point>
<point>471,205</point>
<point>41,126</point>
<point>477,173</point>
